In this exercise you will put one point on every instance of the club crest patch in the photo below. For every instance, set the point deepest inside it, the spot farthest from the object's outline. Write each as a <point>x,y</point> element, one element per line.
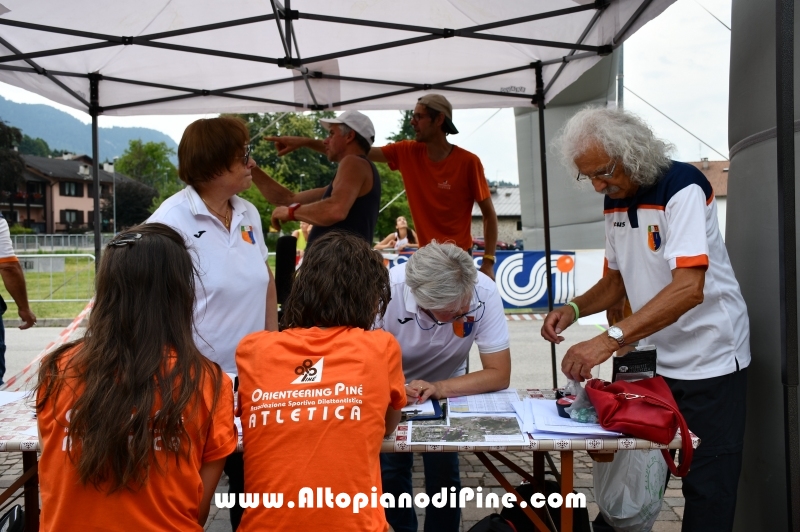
<point>462,329</point>
<point>653,238</point>
<point>247,234</point>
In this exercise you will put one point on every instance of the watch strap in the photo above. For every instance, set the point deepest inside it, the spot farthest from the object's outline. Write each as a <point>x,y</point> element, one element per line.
<point>293,207</point>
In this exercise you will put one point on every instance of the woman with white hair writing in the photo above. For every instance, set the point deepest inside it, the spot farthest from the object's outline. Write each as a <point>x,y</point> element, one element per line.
<point>441,304</point>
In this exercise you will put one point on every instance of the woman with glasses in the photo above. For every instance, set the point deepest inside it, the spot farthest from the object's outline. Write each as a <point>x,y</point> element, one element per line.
<point>235,290</point>
<point>441,305</point>
<point>318,397</point>
<point>135,423</point>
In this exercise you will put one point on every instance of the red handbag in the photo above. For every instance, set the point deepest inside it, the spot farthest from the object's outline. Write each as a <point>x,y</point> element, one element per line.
<point>644,409</point>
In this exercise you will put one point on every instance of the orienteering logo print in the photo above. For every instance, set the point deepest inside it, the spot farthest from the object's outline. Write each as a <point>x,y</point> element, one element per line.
<point>522,288</point>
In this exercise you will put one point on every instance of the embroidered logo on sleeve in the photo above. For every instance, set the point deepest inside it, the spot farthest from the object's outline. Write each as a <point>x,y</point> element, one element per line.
<point>653,238</point>
<point>248,235</point>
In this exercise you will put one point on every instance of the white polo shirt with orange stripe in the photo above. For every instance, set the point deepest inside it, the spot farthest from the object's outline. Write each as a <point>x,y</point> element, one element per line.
<point>673,224</point>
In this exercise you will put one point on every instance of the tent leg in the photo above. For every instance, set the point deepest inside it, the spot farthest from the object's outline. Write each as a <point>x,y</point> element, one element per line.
<point>94,82</point>
<point>545,208</point>
<point>788,251</point>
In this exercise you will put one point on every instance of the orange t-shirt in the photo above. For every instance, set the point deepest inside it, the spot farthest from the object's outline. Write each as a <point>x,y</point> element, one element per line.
<point>314,404</point>
<point>440,194</point>
<point>170,499</point>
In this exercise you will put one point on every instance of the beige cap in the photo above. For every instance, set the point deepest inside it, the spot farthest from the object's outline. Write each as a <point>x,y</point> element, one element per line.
<point>437,102</point>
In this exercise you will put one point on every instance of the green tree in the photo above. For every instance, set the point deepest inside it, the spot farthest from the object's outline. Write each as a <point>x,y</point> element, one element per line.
<point>391,186</point>
<point>149,163</point>
<point>36,146</point>
<point>134,201</point>
<point>11,164</point>
<point>406,132</point>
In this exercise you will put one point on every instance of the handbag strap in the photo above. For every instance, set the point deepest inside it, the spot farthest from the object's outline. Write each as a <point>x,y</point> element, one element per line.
<point>687,451</point>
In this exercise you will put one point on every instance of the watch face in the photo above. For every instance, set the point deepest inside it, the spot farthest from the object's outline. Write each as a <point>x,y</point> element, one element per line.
<point>615,333</point>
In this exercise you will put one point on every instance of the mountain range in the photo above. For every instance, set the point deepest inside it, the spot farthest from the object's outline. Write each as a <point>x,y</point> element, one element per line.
<point>63,131</point>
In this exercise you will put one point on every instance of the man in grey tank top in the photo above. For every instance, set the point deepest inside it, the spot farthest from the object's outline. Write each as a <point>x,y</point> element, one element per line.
<point>351,201</point>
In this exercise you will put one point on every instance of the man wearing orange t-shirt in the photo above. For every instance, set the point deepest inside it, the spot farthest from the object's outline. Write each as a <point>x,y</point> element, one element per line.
<point>442,180</point>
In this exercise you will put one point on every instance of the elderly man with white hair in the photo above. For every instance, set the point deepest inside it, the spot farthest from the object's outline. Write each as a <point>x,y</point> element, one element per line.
<point>664,249</point>
<point>441,304</point>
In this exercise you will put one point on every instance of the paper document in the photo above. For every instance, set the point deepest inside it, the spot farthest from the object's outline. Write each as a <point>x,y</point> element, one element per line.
<point>546,419</point>
<point>484,403</point>
<point>524,413</point>
<point>475,430</point>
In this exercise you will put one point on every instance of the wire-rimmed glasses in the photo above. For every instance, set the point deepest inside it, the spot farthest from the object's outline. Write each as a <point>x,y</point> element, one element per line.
<point>475,313</point>
<point>606,176</point>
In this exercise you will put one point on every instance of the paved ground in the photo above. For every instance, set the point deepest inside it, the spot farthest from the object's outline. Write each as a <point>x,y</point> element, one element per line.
<point>531,369</point>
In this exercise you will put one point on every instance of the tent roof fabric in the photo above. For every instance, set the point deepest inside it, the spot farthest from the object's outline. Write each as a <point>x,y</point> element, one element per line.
<point>202,56</point>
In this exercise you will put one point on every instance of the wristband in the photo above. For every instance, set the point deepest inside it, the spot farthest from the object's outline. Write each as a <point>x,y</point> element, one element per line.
<point>293,207</point>
<point>575,308</point>
<point>489,257</point>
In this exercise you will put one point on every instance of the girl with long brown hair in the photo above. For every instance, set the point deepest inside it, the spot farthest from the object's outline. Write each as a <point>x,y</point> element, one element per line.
<point>135,424</point>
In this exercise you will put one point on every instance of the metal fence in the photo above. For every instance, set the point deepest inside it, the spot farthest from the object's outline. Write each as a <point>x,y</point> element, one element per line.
<point>58,278</point>
<point>57,242</point>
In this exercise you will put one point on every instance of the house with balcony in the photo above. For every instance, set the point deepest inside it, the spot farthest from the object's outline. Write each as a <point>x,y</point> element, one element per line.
<point>57,194</point>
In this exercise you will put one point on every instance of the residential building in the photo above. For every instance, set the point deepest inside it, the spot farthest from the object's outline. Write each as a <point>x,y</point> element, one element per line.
<point>57,195</point>
<point>509,214</point>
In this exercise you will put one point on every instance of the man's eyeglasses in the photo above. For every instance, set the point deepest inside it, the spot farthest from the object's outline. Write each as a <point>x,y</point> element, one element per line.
<point>247,149</point>
<point>608,175</point>
<point>476,313</point>
<point>418,117</point>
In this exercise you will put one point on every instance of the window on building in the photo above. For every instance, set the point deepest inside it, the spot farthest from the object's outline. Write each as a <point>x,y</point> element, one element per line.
<point>69,188</point>
<point>519,225</point>
<point>71,216</point>
<point>11,217</point>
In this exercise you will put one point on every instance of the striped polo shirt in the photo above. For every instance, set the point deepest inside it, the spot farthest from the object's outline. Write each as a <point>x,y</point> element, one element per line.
<point>673,224</point>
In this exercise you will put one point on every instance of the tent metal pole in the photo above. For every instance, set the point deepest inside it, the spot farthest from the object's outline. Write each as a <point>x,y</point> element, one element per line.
<point>94,110</point>
<point>787,249</point>
<point>545,208</point>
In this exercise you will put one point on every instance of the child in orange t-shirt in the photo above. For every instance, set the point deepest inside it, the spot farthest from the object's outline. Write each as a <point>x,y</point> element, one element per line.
<point>318,398</point>
<point>135,424</point>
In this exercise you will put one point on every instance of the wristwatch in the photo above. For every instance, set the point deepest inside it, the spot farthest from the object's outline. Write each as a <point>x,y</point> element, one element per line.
<point>293,207</point>
<point>615,333</point>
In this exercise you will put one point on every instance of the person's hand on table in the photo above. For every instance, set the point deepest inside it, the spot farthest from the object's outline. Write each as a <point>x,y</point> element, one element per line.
<point>577,364</point>
<point>420,391</point>
<point>556,322</point>
<point>286,145</point>
<point>279,214</point>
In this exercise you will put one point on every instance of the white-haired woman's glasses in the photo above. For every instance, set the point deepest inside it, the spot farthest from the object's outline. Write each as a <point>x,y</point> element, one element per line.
<point>608,175</point>
<point>476,314</point>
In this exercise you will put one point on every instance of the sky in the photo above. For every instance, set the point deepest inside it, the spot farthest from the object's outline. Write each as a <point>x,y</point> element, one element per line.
<point>683,73</point>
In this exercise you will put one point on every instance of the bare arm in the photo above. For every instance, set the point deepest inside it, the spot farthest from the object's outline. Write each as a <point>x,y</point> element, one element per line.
<point>392,420</point>
<point>351,179</point>
<point>209,474</point>
<point>608,291</point>
<point>387,242</point>
<point>678,297</point>
<point>489,234</point>
<point>495,375</point>
<point>376,155</point>
<point>14,281</point>
<point>271,323</point>
<point>286,145</point>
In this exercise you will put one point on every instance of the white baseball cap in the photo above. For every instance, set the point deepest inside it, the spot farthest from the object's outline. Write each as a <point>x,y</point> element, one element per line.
<point>358,122</point>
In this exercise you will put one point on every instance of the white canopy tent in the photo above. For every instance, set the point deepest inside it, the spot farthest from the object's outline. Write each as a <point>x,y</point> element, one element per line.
<point>202,56</point>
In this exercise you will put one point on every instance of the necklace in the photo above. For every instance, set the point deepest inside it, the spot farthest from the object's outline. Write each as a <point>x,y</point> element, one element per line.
<point>226,219</point>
